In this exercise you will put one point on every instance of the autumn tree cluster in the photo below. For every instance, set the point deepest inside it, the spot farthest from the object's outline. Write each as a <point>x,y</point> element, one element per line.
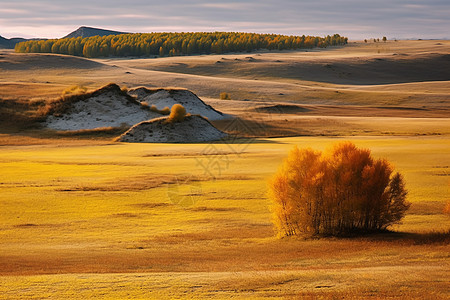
<point>343,190</point>
<point>171,44</point>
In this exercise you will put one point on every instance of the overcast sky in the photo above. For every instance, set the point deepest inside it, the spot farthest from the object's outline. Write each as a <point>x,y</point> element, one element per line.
<point>356,19</point>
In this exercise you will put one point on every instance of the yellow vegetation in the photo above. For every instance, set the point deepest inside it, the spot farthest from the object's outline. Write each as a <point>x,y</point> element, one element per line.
<point>74,90</point>
<point>225,96</point>
<point>168,43</point>
<point>447,208</point>
<point>164,111</point>
<point>177,113</point>
<point>341,191</point>
<point>98,219</point>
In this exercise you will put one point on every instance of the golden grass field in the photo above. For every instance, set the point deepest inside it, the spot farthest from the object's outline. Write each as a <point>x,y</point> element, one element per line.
<point>86,217</point>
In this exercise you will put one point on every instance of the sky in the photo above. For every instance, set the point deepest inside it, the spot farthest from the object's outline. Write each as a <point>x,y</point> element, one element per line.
<point>356,19</point>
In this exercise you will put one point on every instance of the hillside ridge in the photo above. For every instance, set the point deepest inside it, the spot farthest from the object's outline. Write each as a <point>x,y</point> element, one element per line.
<point>85,31</point>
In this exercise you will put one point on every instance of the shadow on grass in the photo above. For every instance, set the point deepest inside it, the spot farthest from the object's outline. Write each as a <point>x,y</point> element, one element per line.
<point>413,238</point>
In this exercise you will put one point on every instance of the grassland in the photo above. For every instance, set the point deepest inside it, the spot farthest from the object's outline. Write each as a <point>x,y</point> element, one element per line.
<point>84,217</point>
<point>134,214</point>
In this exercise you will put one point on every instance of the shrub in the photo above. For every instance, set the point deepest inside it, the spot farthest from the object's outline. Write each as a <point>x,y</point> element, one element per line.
<point>341,191</point>
<point>177,113</point>
<point>446,209</point>
<point>74,90</point>
<point>165,111</point>
<point>224,96</point>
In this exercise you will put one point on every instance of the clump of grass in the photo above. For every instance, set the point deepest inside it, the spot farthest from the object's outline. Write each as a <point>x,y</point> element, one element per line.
<point>95,132</point>
<point>74,90</point>
<point>165,111</point>
<point>225,96</point>
<point>21,114</point>
<point>25,114</point>
<point>446,209</point>
<point>65,102</point>
<point>177,113</point>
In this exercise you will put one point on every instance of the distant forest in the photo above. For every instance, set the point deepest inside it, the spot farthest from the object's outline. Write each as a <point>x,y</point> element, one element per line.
<point>172,44</point>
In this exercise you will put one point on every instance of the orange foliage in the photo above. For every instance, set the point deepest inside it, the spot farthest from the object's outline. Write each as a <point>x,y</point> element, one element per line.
<point>340,191</point>
<point>447,208</point>
<point>175,43</point>
<point>177,113</point>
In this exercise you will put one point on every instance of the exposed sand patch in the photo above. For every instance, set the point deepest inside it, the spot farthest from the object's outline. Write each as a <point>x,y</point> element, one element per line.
<point>106,107</point>
<point>193,129</point>
<point>168,97</point>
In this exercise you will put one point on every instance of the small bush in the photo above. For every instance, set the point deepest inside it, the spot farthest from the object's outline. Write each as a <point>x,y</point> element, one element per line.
<point>177,113</point>
<point>165,111</point>
<point>225,96</point>
<point>446,209</point>
<point>337,192</point>
<point>74,90</point>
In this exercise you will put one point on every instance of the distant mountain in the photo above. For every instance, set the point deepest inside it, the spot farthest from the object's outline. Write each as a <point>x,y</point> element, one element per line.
<point>89,31</point>
<point>10,43</point>
<point>82,31</point>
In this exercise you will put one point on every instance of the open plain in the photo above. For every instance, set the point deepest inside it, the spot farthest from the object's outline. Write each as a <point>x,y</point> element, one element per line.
<point>83,216</point>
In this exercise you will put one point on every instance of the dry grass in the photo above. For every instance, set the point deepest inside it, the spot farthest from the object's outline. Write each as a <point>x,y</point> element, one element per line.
<point>85,218</point>
<point>324,284</point>
<point>20,115</point>
<point>64,103</point>
<point>446,209</point>
<point>100,132</point>
<point>107,209</point>
<point>26,116</point>
<point>74,90</point>
<point>28,77</point>
<point>266,79</point>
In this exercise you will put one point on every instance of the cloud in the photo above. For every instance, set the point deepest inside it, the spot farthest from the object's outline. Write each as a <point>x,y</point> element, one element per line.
<point>235,6</point>
<point>354,18</point>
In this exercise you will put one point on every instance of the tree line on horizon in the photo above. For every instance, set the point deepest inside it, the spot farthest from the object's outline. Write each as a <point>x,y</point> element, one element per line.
<point>174,44</point>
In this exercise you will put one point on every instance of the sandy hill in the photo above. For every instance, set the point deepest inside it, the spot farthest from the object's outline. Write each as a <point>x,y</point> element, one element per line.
<point>105,107</point>
<point>84,31</point>
<point>193,129</point>
<point>167,97</point>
